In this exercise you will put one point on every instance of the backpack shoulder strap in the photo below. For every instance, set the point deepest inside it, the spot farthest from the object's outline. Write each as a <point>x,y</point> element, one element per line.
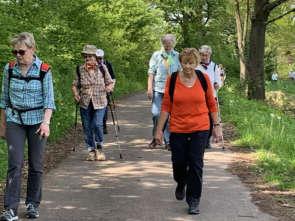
<point>172,85</point>
<point>44,68</point>
<point>202,80</point>
<point>102,70</point>
<point>11,65</point>
<point>78,75</point>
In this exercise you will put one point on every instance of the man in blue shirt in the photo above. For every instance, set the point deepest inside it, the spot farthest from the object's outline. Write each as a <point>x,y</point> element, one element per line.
<point>26,103</point>
<point>162,63</point>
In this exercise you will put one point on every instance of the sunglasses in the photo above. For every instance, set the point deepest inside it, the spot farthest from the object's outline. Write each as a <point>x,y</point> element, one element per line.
<point>20,52</point>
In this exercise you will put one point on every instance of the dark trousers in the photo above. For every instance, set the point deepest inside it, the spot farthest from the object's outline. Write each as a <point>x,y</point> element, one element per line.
<point>16,136</point>
<point>187,160</point>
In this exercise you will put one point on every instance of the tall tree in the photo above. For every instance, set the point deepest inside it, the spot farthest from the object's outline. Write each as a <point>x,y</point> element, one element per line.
<point>255,61</point>
<point>242,27</point>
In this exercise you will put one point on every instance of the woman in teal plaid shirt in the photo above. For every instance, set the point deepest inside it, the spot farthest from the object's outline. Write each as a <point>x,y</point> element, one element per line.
<point>27,102</point>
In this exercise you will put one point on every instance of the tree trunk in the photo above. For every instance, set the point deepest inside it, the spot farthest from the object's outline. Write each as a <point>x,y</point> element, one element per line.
<point>240,42</point>
<point>255,64</point>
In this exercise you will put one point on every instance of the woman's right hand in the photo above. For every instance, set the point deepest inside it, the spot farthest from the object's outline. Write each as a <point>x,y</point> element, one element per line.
<point>159,137</point>
<point>150,94</point>
<point>77,98</point>
<point>3,131</point>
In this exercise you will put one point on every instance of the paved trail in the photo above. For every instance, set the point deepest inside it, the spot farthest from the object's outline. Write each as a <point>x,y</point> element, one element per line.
<point>140,187</point>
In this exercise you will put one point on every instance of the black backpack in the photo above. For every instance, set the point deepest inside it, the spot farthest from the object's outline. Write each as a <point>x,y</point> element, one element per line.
<point>173,81</point>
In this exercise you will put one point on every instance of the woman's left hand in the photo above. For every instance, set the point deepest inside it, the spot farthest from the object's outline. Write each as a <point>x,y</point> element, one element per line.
<point>217,133</point>
<point>43,130</point>
<point>109,88</point>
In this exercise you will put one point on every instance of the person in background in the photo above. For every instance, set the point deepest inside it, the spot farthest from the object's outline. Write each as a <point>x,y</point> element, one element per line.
<point>222,74</point>
<point>27,102</point>
<point>162,64</point>
<point>209,67</point>
<point>89,90</point>
<point>101,62</point>
<point>189,126</point>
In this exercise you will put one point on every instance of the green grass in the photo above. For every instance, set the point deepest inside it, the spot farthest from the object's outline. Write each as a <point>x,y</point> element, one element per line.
<point>268,130</point>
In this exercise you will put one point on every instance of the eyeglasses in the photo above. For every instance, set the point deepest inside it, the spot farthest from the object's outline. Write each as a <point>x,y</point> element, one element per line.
<point>20,52</point>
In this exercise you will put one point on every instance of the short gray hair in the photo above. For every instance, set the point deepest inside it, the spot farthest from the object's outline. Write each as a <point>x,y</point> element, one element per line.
<point>205,49</point>
<point>24,38</point>
<point>169,37</point>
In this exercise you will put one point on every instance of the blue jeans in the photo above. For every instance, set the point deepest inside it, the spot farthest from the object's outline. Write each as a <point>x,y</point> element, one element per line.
<point>92,122</point>
<point>156,110</point>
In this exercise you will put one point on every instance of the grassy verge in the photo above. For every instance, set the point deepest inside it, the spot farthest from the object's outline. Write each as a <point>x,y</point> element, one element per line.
<point>266,129</point>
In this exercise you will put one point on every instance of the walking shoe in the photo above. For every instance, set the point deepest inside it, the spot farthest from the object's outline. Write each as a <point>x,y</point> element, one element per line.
<point>32,212</point>
<point>180,192</point>
<point>194,207</point>
<point>153,144</point>
<point>167,146</point>
<point>91,155</point>
<point>8,215</point>
<point>100,156</point>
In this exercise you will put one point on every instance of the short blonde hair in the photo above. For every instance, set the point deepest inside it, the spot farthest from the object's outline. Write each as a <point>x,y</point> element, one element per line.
<point>190,53</point>
<point>24,38</point>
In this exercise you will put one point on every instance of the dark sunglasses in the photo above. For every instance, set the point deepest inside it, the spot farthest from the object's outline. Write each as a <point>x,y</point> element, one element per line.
<point>20,52</point>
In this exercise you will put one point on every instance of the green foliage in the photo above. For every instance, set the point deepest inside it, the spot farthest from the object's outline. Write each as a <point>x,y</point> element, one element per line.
<point>268,130</point>
<point>128,31</point>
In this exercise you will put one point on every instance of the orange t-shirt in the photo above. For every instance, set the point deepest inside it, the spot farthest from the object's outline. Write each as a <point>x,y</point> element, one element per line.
<point>189,111</point>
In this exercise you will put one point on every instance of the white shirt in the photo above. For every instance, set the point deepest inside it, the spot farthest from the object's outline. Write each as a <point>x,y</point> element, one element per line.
<point>213,72</point>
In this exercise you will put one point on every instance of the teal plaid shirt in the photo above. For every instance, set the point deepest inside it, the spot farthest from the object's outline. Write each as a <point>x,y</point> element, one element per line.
<point>26,95</point>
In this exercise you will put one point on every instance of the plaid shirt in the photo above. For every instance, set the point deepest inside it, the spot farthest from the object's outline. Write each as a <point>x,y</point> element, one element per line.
<point>25,95</point>
<point>92,87</point>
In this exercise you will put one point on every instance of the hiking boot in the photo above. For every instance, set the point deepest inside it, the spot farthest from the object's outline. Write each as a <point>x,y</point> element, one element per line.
<point>153,144</point>
<point>91,155</point>
<point>8,215</point>
<point>100,156</point>
<point>180,192</point>
<point>194,207</point>
<point>167,147</point>
<point>32,212</point>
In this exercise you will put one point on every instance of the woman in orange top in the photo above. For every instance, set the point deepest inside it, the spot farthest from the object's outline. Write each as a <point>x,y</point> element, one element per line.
<point>189,125</point>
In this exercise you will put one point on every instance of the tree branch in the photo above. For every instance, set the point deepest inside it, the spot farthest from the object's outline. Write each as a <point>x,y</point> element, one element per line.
<point>270,6</point>
<point>280,16</point>
<point>208,12</point>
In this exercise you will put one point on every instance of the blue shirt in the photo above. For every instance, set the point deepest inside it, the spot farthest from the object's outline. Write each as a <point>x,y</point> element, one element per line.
<point>158,68</point>
<point>26,95</point>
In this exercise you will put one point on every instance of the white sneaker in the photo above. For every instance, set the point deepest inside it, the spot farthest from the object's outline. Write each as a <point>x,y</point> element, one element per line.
<point>91,155</point>
<point>100,156</point>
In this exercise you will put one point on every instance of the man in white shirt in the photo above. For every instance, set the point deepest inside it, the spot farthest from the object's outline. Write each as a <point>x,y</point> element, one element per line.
<point>209,67</point>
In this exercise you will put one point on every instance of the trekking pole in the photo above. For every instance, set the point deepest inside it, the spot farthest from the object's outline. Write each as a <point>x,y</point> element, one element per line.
<point>75,126</point>
<point>111,101</point>
<point>116,127</point>
<point>219,116</point>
